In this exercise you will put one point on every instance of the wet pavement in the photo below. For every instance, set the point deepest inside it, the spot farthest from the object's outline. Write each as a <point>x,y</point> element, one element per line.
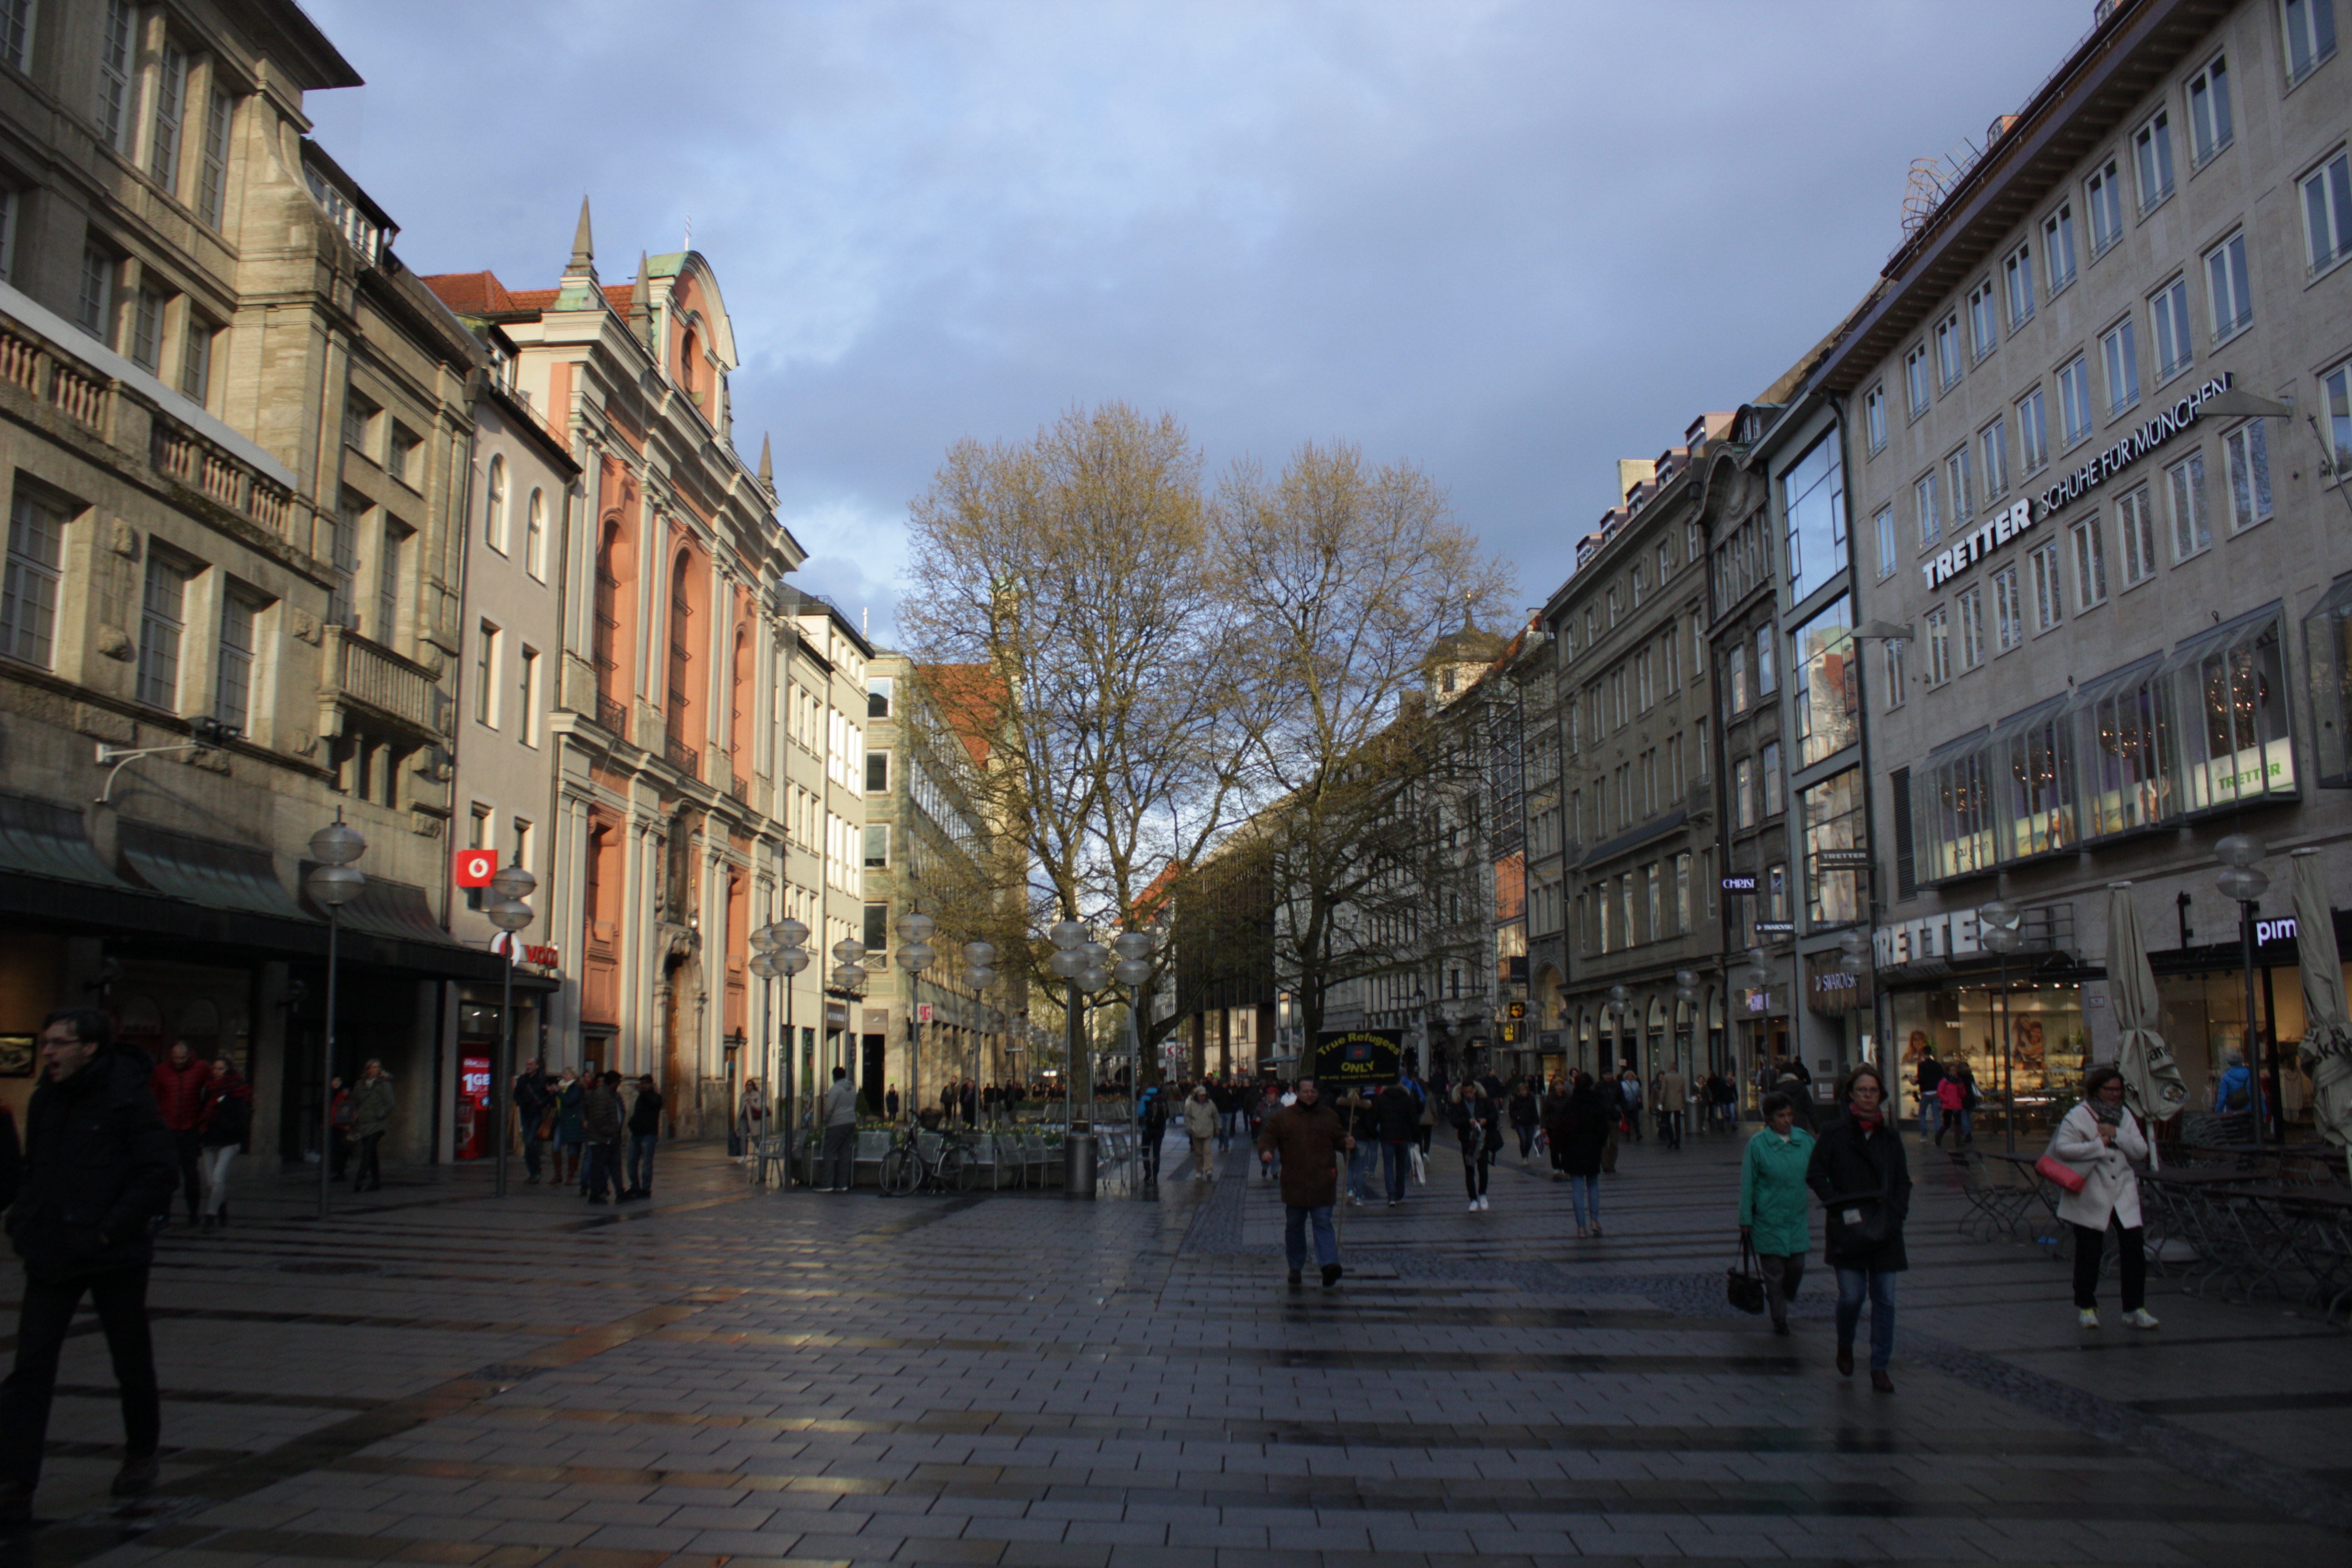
<point>728,1375</point>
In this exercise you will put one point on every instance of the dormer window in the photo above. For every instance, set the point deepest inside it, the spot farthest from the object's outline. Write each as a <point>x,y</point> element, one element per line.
<point>687,348</point>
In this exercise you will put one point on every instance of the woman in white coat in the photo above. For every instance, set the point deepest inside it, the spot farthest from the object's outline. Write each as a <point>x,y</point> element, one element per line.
<point>2100,1137</point>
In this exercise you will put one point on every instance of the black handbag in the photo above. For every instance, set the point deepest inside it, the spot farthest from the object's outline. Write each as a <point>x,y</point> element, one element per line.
<point>1742,1286</point>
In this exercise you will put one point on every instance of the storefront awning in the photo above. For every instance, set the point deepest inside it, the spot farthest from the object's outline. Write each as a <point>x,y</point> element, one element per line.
<point>207,871</point>
<point>42,838</point>
<point>396,909</point>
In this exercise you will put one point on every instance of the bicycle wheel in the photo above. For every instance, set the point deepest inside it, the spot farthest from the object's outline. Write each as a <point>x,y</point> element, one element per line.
<point>900,1171</point>
<point>958,1172</point>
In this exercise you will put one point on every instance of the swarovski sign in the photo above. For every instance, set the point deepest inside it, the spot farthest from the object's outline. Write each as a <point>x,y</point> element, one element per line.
<point>2022,514</point>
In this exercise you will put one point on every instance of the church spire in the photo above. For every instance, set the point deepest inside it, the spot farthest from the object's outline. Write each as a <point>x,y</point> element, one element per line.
<point>767,463</point>
<point>583,244</point>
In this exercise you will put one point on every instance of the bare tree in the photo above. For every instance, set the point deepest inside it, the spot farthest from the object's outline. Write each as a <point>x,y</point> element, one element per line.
<point>1082,571</point>
<point>1351,574</point>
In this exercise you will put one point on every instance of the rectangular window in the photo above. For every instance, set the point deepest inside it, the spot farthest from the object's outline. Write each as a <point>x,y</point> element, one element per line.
<point>2210,126</point>
<point>1969,603</point>
<point>2135,519</point>
<point>1826,712</point>
<point>2192,525</point>
<point>343,527</point>
<point>359,420</point>
<point>2090,564</point>
<point>2119,349</point>
<point>2049,590</point>
<point>147,328</point>
<point>2017,286</point>
<point>1812,493</point>
<point>1873,418</point>
<point>2103,199</point>
<point>1923,502</point>
<point>2169,308</point>
<point>388,584</point>
<point>171,105</point>
<point>1914,380</point>
<point>2336,387</point>
<point>1768,679</point>
<point>877,772</point>
<point>2152,159</point>
<point>1960,486</point>
<point>163,612</point>
<point>527,697</point>
<point>403,461</point>
<point>1675,778</point>
<point>212,179</point>
<point>2247,449</point>
<point>2058,247</point>
<point>1831,811</point>
<point>196,361</point>
<point>16,28</point>
<point>1768,763</point>
<point>114,74</point>
<point>94,300</point>
<point>2033,431</point>
<point>877,937</point>
<point>486,671</point>
<point>2008,609</point>
<point>1683,891</point>
<point>1776,892</point>
<point>2327,212</point>
<point>1884,525</point>
<point>1743,791</point>
<point>1938,623</point>
<point>233,675</point>
<point>2231,291</point>
<point>1948,350</point>
<point>2309,33</point>
<point>1982,336</point>
<point>1992,445</point>
<point>28,592</point>
<point>2074,400</point>
<point>1898,661</point>
<point>877,846</point>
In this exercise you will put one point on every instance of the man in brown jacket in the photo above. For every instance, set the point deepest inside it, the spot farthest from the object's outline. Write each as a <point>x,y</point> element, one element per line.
<point>1310,1138</point>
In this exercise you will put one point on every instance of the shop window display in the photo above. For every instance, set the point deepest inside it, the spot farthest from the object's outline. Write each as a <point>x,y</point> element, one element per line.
<point>2233,713</point>
<point>2036,778</point>
<point>2048,1045</point>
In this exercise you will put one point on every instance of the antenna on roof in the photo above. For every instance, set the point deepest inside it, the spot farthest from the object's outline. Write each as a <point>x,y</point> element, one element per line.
<point>689,232</point>
<point>865,627</point>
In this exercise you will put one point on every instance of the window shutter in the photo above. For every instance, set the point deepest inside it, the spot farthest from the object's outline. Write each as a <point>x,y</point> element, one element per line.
<point>1906,869</point>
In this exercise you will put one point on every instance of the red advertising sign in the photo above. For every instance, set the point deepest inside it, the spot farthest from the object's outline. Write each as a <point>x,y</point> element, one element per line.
<point>474,868</point>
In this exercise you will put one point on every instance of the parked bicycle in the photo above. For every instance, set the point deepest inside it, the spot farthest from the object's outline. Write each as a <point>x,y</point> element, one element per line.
<point>909,1168</point>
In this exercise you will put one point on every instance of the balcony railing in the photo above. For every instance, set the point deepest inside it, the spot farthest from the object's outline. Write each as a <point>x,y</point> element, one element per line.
<point>739,787</point>
<point>681,756</point>
<point>613,716</point>
<point>376,678</point>
<point>182,455</point>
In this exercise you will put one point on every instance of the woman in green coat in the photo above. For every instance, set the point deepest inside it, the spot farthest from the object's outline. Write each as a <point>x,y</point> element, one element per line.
<point>1774,1204</point>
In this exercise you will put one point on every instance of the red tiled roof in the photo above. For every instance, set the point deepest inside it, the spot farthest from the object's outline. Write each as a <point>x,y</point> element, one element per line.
<point>481,294</point>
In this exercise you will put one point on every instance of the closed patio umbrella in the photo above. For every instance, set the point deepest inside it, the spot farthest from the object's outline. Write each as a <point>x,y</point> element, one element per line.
<point>2151,1075</point>
<point>2328,1028</point>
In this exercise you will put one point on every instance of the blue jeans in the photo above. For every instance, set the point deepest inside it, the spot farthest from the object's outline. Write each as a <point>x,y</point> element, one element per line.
<point>641,1161</point>
<point>1585,1192</point>
<point>1396,1164</point>
<point>1360,1172</point>
<point>602,1170</point>
<point>1293,1236</point>
<point>1879,1285</point>
<point>1958,1122</point>
<point>1931,1120</point>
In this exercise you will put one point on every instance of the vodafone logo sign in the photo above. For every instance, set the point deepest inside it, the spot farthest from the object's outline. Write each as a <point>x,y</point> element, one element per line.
<point>474,868</point>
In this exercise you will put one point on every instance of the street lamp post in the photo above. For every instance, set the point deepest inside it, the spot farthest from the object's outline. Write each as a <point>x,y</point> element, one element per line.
<point>978,976</point>
<point>915,955</point>
<point>1996,928</point>
<point>1619,997</point>
<point>1758,976</point>
<point>2242,882</point>
<point>1069,961</point>
<point>1132,969</point>
<point>333,882</point>
<point>781,956</point>
<point>1687,995</point>
<point>509,915</point>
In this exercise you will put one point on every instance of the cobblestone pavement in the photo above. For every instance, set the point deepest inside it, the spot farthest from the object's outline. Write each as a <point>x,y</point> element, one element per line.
<point>731,1376</point>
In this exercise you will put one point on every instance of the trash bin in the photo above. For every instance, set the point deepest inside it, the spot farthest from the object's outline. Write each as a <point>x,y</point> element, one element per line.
<point>1078,1165</point>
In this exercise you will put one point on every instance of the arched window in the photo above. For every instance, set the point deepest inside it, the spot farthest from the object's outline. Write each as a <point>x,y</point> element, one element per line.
<point>690,354</point>
<point>494,511</point>
<point>534,535</point>
<point>608,611</point>
<point>681,654</point>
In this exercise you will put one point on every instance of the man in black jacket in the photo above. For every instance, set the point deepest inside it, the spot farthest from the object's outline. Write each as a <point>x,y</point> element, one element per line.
<point>645,1137</point>
<point>99,1169</point>
<point>534,1102</point>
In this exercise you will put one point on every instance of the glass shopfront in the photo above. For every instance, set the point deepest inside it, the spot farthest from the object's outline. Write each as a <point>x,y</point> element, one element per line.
<point>2039,1057</point>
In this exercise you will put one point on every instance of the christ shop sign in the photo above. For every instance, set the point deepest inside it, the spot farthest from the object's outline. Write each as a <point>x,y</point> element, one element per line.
<point>2021,515</point>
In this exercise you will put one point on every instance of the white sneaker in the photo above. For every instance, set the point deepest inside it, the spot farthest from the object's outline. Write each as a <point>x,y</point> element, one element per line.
<point>2088,1317</point>
<point>2140,1318</point>
<point>1473,1205</point>
<point>1484,1203</point>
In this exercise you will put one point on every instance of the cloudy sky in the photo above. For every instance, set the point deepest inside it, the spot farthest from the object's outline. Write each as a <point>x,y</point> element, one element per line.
<point>1508,240</point>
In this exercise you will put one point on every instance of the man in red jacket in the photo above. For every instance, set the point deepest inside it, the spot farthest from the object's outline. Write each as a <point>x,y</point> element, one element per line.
<point>179,1082</point>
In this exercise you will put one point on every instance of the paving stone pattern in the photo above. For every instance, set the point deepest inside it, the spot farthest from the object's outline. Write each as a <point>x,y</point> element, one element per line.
<point>740,1378</point>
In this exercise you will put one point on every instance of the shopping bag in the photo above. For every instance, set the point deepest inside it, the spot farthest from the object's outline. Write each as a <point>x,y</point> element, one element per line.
<point>2054,1169</point>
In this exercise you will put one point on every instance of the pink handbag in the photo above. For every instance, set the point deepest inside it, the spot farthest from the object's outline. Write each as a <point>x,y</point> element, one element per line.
<point>2060,1173</point>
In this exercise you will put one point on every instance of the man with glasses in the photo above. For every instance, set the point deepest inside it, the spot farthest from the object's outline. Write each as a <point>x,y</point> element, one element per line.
<point>99,1167</point>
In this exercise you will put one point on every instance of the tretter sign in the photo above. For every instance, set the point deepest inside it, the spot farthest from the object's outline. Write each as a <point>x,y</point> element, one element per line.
<point>2021,516</point>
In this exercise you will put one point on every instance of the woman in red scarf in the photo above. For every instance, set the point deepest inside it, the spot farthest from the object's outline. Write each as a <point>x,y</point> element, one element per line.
<point>1859,1172</point>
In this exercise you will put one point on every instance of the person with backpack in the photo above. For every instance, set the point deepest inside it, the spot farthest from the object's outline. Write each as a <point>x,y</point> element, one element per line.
<point>2233,1093</point>
<point>224,1126</point>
